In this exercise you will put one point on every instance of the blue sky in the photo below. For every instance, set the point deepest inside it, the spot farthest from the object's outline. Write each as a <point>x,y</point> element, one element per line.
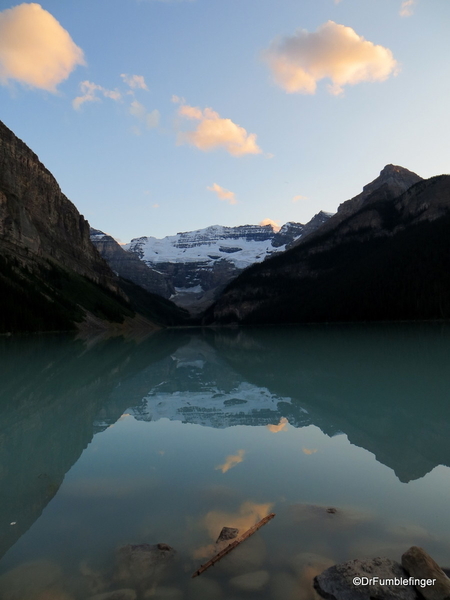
<point>202,112</point>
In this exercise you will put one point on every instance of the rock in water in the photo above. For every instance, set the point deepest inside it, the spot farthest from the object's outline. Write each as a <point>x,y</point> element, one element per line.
<point>227,534</point>
<point>337,582</point>
<point>421,566</point>
<point>141,565</point>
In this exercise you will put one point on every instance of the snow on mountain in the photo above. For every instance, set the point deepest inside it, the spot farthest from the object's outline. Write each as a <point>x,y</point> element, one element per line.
<point>241,246</point>
<point>199,264</point>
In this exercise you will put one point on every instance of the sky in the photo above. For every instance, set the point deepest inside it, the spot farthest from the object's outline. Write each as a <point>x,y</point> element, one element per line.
<point>161,116</point>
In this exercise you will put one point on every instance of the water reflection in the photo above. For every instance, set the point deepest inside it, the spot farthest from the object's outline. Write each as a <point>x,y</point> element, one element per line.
<point>55,394</point>
<point>386,388</point>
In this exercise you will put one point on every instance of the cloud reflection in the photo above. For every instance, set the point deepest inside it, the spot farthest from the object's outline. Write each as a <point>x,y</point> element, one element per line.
<point>231,461</point>
<point>247,515</point>
<point>281,425</point>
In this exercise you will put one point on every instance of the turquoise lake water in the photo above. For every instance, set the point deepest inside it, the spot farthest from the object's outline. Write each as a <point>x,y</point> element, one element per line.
<point>167,439</point>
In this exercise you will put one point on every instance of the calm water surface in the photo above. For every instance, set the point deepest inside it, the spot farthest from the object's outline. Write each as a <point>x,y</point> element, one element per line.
<point>168,439</point>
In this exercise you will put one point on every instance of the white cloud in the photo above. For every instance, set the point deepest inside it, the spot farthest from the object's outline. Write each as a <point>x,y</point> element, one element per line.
<point>407,8</point>
<point>135,82</point>
<point>334,51</point>
<point>149,119</point>
<point>275,226</point>
<point>90,93</point>
<point>35,49</point>
<point>177,99</point>
<point>223,194</point>
<point>299,197</point>
<point>214,132</point>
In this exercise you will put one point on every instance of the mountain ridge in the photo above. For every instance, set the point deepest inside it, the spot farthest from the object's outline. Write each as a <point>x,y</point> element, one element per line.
<point>192,268</point>
<point>51,276</point>
<point>357,266</point>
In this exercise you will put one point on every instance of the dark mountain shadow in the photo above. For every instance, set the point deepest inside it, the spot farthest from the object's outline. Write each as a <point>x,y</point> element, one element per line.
<point>55,394</point>
<point>384,386</point>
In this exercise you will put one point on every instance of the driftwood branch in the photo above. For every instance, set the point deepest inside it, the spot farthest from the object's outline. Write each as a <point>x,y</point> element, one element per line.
<point>233,545</point>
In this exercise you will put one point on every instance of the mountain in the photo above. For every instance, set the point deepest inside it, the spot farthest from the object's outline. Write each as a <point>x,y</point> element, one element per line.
<point>385,255</point>
<point>51,276</point>
<point>128,265</point>
<point>197,265</point>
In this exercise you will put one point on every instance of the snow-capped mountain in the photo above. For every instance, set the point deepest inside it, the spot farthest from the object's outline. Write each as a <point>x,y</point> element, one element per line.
<point>199,264</point>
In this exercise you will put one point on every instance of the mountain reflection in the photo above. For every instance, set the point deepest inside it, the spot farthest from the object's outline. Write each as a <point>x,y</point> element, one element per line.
<point>386,388</point>
<point>55,394</point>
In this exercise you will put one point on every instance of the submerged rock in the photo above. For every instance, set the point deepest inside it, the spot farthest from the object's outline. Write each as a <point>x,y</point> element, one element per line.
<point>227,534</point>
<point>95,580</point>
<point>124,594</point>
<point>35,580</point>
<point>309,560</point>
<point>164,593</point>
<point>141,565</point>
<point>337,518</point>
<point>283,586</point>
<point>250,582</point>
<point>204,588</point>
<point>350,581</point>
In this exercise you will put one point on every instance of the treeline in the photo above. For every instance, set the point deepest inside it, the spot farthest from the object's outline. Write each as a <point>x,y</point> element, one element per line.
<point>405,276</point>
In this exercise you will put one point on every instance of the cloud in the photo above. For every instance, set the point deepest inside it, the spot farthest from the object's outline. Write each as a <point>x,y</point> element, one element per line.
<point>214,132</point>
<point>149,119</point>
<point>35,49</point>
<point>281,425</point>
<point>223,194</point>
<point>299,197</point>
<point>89,94</point>
<point>135,82</point>
<point>407,8</point>
<point>231,461</point>
<point>177,99</point>
<point>274,224</point>
<point>335,52</point>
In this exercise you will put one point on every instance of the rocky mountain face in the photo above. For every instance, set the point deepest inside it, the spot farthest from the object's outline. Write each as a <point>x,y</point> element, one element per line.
<point>391,182</point>
<point>128,265</point>
<point>37,221</point>
<point>193,267</point>
<point>51,275</point>
<point>385,255</point>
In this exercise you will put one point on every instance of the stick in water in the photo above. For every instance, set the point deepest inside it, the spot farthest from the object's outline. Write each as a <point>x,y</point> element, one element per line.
<point>230,547</point>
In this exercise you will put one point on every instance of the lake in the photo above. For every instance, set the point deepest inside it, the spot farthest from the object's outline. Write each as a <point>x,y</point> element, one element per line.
<point>169,438</point>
